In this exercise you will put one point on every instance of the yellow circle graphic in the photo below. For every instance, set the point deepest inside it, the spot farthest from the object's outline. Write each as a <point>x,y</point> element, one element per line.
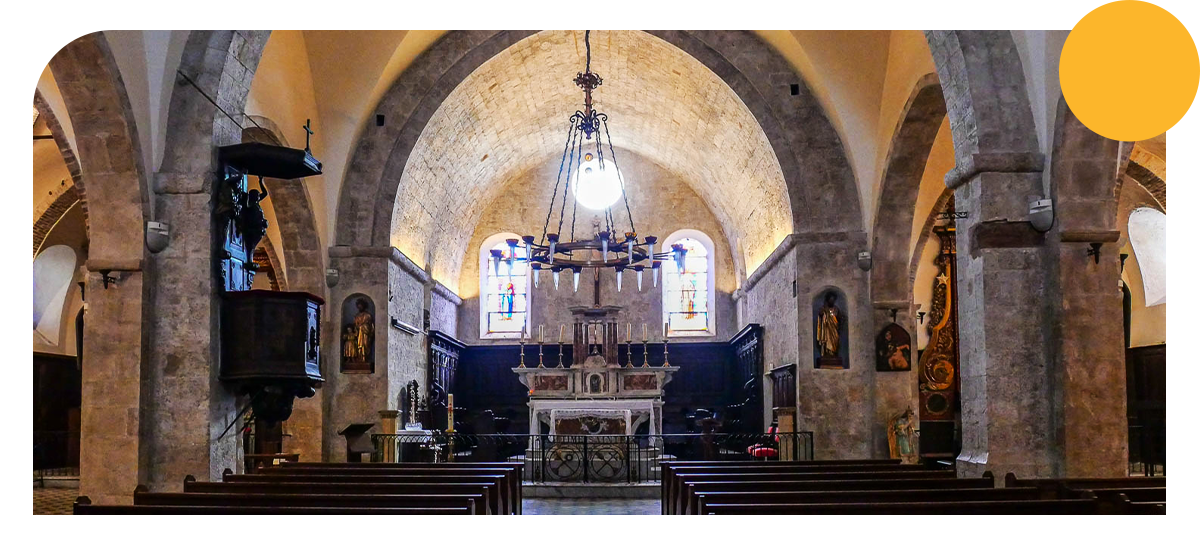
<point>1129,70</point>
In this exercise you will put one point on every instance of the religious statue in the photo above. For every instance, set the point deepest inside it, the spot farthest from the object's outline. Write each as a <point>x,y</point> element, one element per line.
<point>902,437</point>
<point>364,331</point>
<point>349,350</point>
<point>251,219</point>
<point>828,340</point>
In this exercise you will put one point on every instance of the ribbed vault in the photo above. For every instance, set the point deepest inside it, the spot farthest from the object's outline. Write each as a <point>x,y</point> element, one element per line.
<point>510,115</point>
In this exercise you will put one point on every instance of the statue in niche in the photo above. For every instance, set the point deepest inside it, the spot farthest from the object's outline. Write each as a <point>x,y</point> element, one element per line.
<point>349,349</point>
<point>358,338</point>
<point>829,334</point>
<point>364,331</point>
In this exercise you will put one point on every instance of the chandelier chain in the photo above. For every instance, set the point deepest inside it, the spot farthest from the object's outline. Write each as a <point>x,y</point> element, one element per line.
<point>620,179</point>
<point>549,213</point>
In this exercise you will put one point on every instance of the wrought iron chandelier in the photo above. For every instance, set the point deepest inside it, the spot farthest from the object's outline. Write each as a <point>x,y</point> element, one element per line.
<point>586,166</point>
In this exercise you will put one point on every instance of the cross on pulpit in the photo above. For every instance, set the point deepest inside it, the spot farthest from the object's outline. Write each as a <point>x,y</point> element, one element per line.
<point>308,134</point>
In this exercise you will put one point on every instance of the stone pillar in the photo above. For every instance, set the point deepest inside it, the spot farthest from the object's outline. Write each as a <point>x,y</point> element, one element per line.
<point>1004,329</point>
<point>837,405</point>
<point>111,456</point>
<point>187,408</point>
<point>1090,376</point>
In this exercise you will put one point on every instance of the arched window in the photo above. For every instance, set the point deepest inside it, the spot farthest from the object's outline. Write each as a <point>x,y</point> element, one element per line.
<point>503,289</point>
<point>1148,235</point>
<point>687,294</point>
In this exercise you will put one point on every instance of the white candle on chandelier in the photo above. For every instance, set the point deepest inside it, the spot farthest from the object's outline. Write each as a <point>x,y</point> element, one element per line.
<point>619,272</point>
<point>575,279</point>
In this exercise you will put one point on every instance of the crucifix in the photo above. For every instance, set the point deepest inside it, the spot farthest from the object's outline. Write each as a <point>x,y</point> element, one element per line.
<point>308,134</point>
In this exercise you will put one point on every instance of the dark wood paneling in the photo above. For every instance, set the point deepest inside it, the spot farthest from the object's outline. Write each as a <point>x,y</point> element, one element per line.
<point>56,400</point>
<point>710,378</point>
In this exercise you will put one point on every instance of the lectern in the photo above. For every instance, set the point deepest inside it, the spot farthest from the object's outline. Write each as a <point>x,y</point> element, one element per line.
<point>358,441</point>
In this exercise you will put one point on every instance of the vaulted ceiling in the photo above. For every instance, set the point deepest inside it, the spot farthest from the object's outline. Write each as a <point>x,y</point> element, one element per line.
<point>511,115</point>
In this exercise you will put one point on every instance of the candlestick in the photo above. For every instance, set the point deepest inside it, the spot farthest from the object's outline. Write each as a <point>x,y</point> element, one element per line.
<point>645,351</point>
<point>629,350</point>
<point>560,356</point>
<point>665,362</point>
<point>449,413</point>
<point>540,364</point>
<point>522,366</point>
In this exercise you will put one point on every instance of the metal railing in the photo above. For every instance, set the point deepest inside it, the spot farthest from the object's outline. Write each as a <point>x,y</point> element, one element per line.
<point>1148,449</point>
<point>626,459</point>
<point>55,454</point>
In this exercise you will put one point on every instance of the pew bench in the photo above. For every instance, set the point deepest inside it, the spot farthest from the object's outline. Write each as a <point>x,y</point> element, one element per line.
<point>84,506</point>
<point>704,499</point>
<point>426,498</point>
<point>680,490</point>
<point>1001,507</point>
<point>501,497</point>
<point>694,489</point>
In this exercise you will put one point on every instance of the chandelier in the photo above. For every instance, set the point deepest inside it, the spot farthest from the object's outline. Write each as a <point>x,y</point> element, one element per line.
<point>589,168</point>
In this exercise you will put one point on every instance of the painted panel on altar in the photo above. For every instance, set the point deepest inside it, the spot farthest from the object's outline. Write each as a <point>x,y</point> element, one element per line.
<point>640,382</point>
<point>550,382</point>
<point>590,421</point>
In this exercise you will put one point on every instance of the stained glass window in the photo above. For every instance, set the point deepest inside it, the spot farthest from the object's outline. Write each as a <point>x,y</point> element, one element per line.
<point>506,293</point>
<point>686,293</point>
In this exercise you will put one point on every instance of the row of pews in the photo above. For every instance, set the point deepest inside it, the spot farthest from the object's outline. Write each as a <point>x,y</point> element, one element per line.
<point>887,487</point>
<point>337,488</point>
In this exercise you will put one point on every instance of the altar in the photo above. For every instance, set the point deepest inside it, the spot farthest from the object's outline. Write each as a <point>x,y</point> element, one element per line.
<point>595,395</point>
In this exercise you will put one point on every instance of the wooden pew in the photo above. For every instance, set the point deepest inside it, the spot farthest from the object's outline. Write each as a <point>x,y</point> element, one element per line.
<point>1145,495</point>
<point>141,496</point>
<point>84,506</point>
<point>678,489</point>
<point>666,468</point>
<point>694,488</point>
<point>707,498</point>
<point>512,470</point>
<point>494,487</point>
<point>670,470</point>
<point>1086,506</point>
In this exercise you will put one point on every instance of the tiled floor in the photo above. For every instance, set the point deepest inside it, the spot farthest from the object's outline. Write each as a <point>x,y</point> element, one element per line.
<point>53,501</point>
<point>595,506</point>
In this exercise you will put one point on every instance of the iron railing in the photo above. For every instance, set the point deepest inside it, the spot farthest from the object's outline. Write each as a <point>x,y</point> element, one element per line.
<point>55,454</point>
<point>1148,449</point>
<point>626,459</point>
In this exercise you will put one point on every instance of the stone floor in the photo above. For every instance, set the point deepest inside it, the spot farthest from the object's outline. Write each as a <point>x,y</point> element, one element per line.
<point>53,501</point>
<point>57,501</point>
<point>591,506</point>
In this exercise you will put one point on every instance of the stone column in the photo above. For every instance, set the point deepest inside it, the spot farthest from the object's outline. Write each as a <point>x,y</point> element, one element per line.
<point>111,456</point>
<point>187,407</point>
<point>837,405</point>
<point>1004,329</point>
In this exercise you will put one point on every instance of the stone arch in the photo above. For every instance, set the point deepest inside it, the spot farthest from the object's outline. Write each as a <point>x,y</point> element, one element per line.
<point>986,99</point>
<point>46,219</point>
<point>267,259</point>
<point>109,157</point>
<point>303,260</point>
<point>206,103</point>
<point>907,156</point>
<point>926,232</point>
<point>110,161</point>
<point>817,173</point>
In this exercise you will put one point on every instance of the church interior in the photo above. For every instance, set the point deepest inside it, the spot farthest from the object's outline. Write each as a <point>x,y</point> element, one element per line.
<point>590,272</point>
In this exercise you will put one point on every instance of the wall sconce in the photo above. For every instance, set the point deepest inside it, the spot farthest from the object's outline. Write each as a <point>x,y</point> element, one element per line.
<point>1041,214</point>
<point>1094,251</point>
<point>158,236</point>
<point>864,260</point>
<point>332,276</point>
<point>106,279</point>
